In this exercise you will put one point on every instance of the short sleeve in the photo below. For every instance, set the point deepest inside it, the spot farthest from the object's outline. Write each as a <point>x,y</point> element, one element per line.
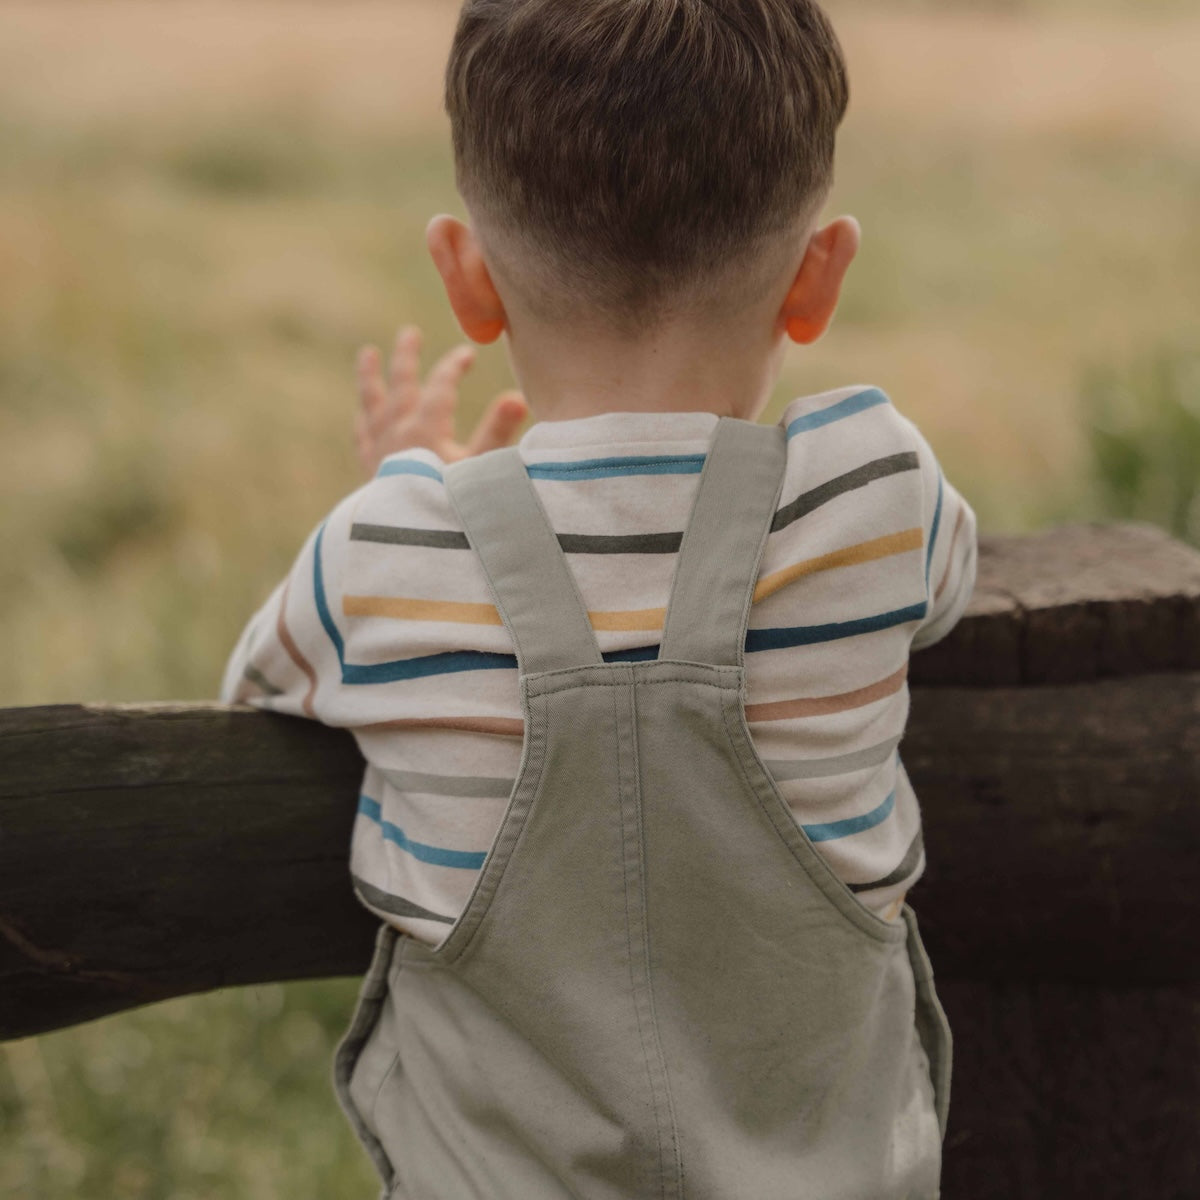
<point>288,658</point>
<point>950,549</point>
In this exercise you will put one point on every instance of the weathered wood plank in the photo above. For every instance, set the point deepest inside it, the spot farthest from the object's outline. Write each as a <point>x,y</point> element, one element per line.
<point>1074,603</point>
<point>146,852</point>
<point>1062,827</point>
<point>152,852</point>
<point>1066,1090</point>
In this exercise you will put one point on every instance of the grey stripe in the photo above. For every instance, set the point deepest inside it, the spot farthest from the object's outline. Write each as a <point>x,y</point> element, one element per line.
<point>396,905</point>
<point>648,543</point>
<point>254,675</point>
<point>534,589</point>
<point>822,768</point>
<point>449,785</point>
<point>620,543</point>
<point>878,468</point>
<point>908,864</point>
<point>571,543</point>
<point>396,535</point>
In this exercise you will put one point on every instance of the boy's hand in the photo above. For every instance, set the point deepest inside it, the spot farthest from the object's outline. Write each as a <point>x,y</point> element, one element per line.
<point>401,412</point>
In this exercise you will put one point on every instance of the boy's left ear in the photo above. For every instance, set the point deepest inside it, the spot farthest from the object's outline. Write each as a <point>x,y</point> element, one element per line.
<point>812,299</point>
<point>459,259</point>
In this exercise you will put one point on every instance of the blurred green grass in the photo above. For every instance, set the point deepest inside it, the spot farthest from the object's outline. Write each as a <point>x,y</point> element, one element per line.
<point>183,292</point>
<point>222,1096</point>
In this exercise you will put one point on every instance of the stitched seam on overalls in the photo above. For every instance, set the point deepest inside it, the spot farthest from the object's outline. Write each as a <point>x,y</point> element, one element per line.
<point>573,687</point>
<point>508,840</point>
<point>657,1041</point>
<point>629,951</point>
<point>887,934</point>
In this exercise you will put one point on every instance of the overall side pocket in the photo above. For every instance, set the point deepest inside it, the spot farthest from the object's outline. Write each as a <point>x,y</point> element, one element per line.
<point>932,1025</point>
<point>361,1063</point>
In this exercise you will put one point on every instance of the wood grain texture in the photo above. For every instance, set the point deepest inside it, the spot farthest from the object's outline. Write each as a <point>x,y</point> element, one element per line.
<point>1070,1092</point>
<point>147,852</point>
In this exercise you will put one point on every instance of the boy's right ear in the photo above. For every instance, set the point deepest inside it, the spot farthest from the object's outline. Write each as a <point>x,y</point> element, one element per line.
<point>459,259</point>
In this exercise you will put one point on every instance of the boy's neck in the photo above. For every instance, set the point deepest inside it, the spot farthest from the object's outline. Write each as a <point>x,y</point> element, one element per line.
<point>677,370</point>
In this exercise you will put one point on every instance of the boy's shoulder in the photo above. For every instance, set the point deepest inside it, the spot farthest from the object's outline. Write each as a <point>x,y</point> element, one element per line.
<point>414,478</point>
<point>854,410</point>
<point>855,427</point>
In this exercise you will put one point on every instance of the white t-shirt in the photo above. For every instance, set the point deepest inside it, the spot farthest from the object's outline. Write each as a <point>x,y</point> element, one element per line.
<point>385,626</point>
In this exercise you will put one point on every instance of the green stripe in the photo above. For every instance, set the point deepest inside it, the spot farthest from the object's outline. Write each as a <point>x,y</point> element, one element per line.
<point>840,764</point>
<point>449,785</point>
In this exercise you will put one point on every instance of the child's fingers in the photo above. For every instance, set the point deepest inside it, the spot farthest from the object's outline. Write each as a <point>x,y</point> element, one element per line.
<point>404,369</point>
<point>364,444</point>
<point>499,424</point>
<point>440,393</point>
<point>370,383</point>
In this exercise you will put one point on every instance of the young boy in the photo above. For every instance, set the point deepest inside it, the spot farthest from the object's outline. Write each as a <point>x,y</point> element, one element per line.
<point>630,693</point>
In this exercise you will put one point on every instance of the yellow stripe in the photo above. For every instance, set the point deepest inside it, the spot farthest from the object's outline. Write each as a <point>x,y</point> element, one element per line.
<point>883,547</point>
<point>420,610</point>
<point>401,608</point>
<point>635,618</point>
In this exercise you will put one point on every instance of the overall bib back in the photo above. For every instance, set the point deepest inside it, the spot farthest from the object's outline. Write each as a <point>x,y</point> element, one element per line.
<point>658,987</point>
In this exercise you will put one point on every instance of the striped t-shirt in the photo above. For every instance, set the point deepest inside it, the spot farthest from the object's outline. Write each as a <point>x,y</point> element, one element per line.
<point>385,626</point>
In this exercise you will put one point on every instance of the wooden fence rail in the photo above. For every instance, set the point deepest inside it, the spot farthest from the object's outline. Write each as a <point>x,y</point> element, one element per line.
<point>155,850</point>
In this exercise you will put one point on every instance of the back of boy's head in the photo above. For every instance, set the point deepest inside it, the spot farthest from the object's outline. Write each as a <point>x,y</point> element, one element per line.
<point>625,160</point>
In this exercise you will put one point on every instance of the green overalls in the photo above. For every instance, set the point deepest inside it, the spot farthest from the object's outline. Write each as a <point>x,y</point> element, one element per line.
<point>658,987</point>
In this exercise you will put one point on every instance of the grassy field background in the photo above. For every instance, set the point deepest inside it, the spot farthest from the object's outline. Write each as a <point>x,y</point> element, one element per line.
<point>206,207</point>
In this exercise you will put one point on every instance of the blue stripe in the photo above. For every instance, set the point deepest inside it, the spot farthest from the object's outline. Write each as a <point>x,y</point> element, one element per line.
<point>462,660</point>
<point>857,403</point>
<point>937,518</point>
<point>437,855</point>
<point>637,654</point>
<point>841,829</point>
<point>599,468</point>
<point>808,635</point>
<point>322,606</point>
<point>407,466</point>
<point>428,664</point>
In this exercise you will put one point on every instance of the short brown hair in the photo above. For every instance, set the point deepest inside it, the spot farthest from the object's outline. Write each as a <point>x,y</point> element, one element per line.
<point>638,147</point>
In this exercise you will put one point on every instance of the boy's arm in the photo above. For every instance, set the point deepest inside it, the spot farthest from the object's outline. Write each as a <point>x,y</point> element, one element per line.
<point>950,550</point>
<point>287,658</point>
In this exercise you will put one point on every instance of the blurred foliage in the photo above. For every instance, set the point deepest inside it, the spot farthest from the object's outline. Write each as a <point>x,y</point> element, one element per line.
<point>225,1096</point>
<point>1143,427</point>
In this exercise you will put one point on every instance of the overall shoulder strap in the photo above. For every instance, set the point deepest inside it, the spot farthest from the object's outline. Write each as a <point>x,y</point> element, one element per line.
<point>723,544</point>
<point>526,570</point>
